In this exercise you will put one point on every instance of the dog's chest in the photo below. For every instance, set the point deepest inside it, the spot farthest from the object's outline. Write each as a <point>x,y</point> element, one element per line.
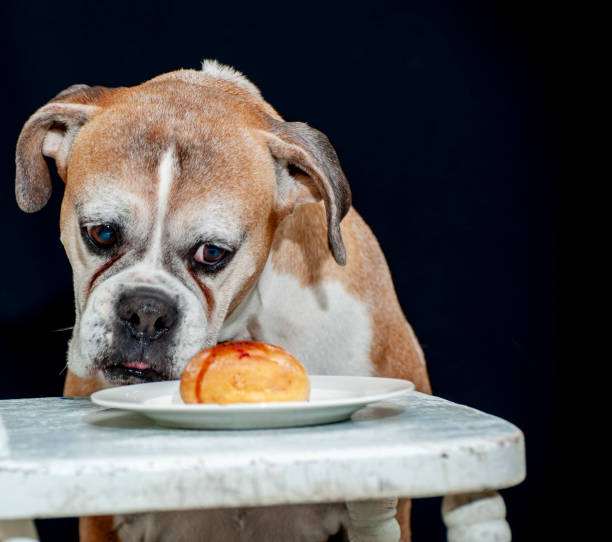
<point>328,329</point>
<point>308,523</point>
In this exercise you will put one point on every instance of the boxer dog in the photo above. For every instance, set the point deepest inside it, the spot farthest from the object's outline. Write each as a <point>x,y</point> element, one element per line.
<point>194,214</point>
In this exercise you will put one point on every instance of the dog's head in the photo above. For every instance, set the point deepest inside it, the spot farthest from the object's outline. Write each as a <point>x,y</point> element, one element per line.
<point>173,193</point>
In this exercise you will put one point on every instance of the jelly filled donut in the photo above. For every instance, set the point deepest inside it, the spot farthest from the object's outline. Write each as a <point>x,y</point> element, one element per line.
<point>244,372</point>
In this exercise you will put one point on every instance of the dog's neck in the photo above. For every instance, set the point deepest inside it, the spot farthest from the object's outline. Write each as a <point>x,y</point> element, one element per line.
<point>242,324</point>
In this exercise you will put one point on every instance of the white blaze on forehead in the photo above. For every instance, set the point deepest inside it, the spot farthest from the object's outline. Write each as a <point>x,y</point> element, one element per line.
<point>165,175</point>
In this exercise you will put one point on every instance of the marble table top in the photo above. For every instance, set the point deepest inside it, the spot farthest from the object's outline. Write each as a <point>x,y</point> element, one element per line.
<point>69,457</point>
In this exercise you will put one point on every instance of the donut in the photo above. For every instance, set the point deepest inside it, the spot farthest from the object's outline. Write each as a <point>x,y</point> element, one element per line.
<point>244,372</point>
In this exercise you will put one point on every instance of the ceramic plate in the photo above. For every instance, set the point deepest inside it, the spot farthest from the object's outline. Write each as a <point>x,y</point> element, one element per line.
<point>332,399</point>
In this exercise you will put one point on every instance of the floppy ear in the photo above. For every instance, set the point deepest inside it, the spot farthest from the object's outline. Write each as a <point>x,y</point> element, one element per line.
<point>50,132</point>
<point>310,151</point>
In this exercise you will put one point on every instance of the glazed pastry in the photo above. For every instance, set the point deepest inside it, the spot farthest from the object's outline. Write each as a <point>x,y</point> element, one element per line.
<point>244,372</point>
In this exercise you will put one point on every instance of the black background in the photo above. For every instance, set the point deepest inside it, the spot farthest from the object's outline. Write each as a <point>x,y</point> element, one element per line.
<point>445,118</point>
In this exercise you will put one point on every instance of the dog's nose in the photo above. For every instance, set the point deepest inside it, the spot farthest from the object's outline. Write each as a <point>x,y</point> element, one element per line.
<point>147,314</point>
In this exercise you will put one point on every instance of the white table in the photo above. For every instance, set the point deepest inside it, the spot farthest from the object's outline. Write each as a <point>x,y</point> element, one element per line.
<point>68,457</point>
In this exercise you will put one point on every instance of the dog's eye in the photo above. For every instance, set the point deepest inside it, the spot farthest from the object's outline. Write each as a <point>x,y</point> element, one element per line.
<point>102,235</point>
<point>209,254</point>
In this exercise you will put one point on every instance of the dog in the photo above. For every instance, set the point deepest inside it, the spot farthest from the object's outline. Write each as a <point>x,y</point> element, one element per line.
<point>194,214</point>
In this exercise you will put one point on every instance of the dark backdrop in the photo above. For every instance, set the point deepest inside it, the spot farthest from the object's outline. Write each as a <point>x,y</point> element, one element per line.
<point>444,118</point>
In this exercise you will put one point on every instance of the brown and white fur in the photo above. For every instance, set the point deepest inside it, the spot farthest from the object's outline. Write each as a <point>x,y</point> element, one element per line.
<point>194,158</point>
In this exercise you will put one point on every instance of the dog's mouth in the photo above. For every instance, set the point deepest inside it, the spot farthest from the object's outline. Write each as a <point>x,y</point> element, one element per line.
<point>133,372</point>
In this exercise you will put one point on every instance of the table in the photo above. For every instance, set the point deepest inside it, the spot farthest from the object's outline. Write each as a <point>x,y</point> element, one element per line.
<point>64,457</point>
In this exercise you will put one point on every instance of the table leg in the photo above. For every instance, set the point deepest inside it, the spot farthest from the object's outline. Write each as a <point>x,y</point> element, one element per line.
<point>476,517</point>
<point>17,530</point>
<point>373,521</point>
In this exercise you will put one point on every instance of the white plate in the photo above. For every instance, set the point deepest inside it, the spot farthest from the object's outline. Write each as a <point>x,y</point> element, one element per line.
<point>332,399</point>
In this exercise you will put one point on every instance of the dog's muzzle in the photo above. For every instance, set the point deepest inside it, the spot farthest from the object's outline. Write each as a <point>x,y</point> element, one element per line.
<point>143,333</point>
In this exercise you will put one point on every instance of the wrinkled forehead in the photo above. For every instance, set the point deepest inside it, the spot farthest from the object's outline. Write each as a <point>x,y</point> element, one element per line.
<point>130,158</point>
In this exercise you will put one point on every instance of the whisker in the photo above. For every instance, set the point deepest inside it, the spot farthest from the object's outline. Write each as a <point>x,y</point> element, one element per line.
<point>62,329</point>
<point>63,370</point>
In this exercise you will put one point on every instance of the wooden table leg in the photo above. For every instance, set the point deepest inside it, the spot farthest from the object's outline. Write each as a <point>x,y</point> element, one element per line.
<point>476,517</point>
<point>17,530</point>
<point>373,521</point>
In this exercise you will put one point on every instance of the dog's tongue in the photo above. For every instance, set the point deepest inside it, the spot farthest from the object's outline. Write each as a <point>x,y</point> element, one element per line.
<point>136,365</point>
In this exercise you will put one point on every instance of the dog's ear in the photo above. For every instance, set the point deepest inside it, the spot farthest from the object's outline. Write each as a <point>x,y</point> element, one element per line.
<point>315,174</point>
<point>51,131</point>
